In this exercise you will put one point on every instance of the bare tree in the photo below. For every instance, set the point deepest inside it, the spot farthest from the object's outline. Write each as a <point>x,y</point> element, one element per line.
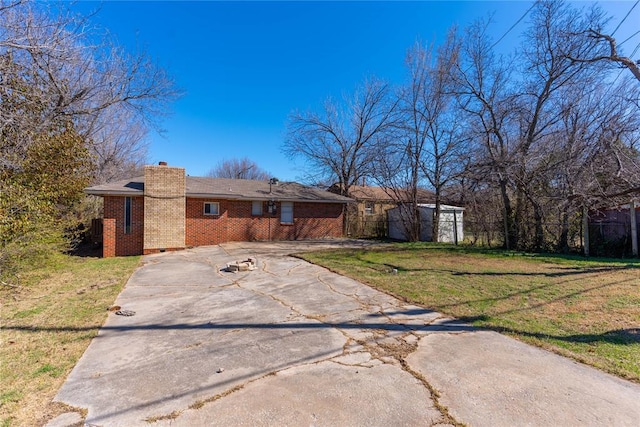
<point>485,97</point>
<point>397,170</point>
<point>430,123</point>
<point>543,124</point>
<point>592,158</point>
<point>118,144</point>
<point>65,75</point>
<point>547,72</point>
<point>239,169</point>
<point>421,149</point>
<point>339,142</point>
<point>612,55</point>
<point>546,131</point>
<point>71,111</point>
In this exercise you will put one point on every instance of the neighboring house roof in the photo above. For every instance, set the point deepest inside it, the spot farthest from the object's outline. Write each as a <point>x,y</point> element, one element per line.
<point>381,194</point>
<point>443,207</point>
<point>228,189</point>
<point>359,192</point>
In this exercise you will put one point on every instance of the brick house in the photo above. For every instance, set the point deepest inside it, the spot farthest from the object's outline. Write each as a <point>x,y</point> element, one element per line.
<point>166,210</point>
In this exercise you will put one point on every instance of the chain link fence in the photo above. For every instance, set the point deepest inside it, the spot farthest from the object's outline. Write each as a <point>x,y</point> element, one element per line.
<point>607,237</point>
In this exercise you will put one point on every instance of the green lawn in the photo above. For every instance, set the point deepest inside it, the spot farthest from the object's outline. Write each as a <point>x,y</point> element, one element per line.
<point>585,309</point>
<point>47,323</point>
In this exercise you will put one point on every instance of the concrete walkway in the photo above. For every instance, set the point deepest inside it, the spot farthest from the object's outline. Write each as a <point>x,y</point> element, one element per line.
<point>292,344</point>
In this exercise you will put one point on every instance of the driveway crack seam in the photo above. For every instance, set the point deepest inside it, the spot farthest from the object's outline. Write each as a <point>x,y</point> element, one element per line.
<point>384,352</point>
<point>266,269</point>
<point>364,305</point>
<point>264,294</point>
<point>202,402</point>
<point>387,352</point>
<point>357,365</point>
<point>299,313</point>
<point>333,289</point>
<point>290,270</point>
<point>435,395</point>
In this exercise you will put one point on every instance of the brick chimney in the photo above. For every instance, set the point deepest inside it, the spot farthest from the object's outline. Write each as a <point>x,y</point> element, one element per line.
<point>164,208</point>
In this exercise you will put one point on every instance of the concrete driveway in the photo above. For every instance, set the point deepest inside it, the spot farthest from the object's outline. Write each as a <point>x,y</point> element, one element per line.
<point>293,344</point>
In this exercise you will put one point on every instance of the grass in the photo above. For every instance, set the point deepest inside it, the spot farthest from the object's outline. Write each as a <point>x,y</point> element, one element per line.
<point>585,309</point>
<point>47,323</point>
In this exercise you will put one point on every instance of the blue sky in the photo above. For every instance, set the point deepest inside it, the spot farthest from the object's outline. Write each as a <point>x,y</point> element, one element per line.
<point>244,66</point>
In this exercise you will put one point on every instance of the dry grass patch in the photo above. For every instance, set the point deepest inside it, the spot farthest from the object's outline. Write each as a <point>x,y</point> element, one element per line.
<point>585,309</point>
<point>47,324</point>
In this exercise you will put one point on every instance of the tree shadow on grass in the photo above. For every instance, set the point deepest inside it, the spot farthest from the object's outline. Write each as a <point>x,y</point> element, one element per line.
<point>559,271</point>
<point>87,250</point>
<point>529,291</point>
<point>629,336</point>
<point>497,253</point>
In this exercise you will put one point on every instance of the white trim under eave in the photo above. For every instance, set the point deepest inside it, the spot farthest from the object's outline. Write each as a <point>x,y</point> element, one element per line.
<point>111,193</point>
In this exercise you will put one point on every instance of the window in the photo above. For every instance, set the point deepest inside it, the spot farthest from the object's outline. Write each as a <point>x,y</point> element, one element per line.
<point>127,215</point>
<point>369,208</point>
<point>286,215</point>
<point>256,208</point>
<point>211,208</point>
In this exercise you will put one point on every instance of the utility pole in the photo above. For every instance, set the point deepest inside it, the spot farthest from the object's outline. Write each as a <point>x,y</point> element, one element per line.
<point>585,229</point>
<point>634,228</point>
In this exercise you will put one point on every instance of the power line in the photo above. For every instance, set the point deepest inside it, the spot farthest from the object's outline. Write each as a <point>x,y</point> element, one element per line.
<point>517,22</point>
<point>625,17</point>
<point>629,38</point>
<point>614,81</point>
<point>623,42</point>
<point>622,69</point>
<point>634,51</point>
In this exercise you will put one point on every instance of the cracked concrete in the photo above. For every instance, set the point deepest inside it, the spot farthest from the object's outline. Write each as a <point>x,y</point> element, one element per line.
<point>293,344</point>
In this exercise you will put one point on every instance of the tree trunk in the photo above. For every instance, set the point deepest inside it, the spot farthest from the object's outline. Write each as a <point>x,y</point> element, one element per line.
<point>538,242</point>
<point>436,219</point>
<point>506,215</point>
<point>634,228</point>
<point>585,230</point>
<point>563,241</point>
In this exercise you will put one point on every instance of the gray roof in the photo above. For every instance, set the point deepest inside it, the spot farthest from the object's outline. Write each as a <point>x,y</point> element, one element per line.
<point>227,189</point>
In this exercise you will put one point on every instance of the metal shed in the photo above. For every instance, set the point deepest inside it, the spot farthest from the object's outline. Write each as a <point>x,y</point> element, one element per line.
<point>451,229</point>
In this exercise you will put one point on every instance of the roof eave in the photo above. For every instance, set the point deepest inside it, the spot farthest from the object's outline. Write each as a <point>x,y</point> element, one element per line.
<point>92,192</point>
<point>279,198</point>
<point>98,192</point>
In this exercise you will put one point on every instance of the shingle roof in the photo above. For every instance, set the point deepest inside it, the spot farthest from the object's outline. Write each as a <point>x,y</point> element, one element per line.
<point>228,189</point>
<point>380,194</point>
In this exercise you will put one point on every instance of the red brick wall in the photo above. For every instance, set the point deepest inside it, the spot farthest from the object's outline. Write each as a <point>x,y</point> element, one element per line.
<point>236,224</point>
<point>115,241</point>
<point>317,220</point>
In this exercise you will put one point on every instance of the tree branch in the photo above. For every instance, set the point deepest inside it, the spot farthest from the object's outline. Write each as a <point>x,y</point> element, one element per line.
<point>613,54</point>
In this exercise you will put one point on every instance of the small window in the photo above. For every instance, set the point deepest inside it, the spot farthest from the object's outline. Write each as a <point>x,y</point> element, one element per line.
<point>211,208</point>
<point>286,212</point>
<point>127,215</point>
<point>256,208</point>
<point>369,208</point>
